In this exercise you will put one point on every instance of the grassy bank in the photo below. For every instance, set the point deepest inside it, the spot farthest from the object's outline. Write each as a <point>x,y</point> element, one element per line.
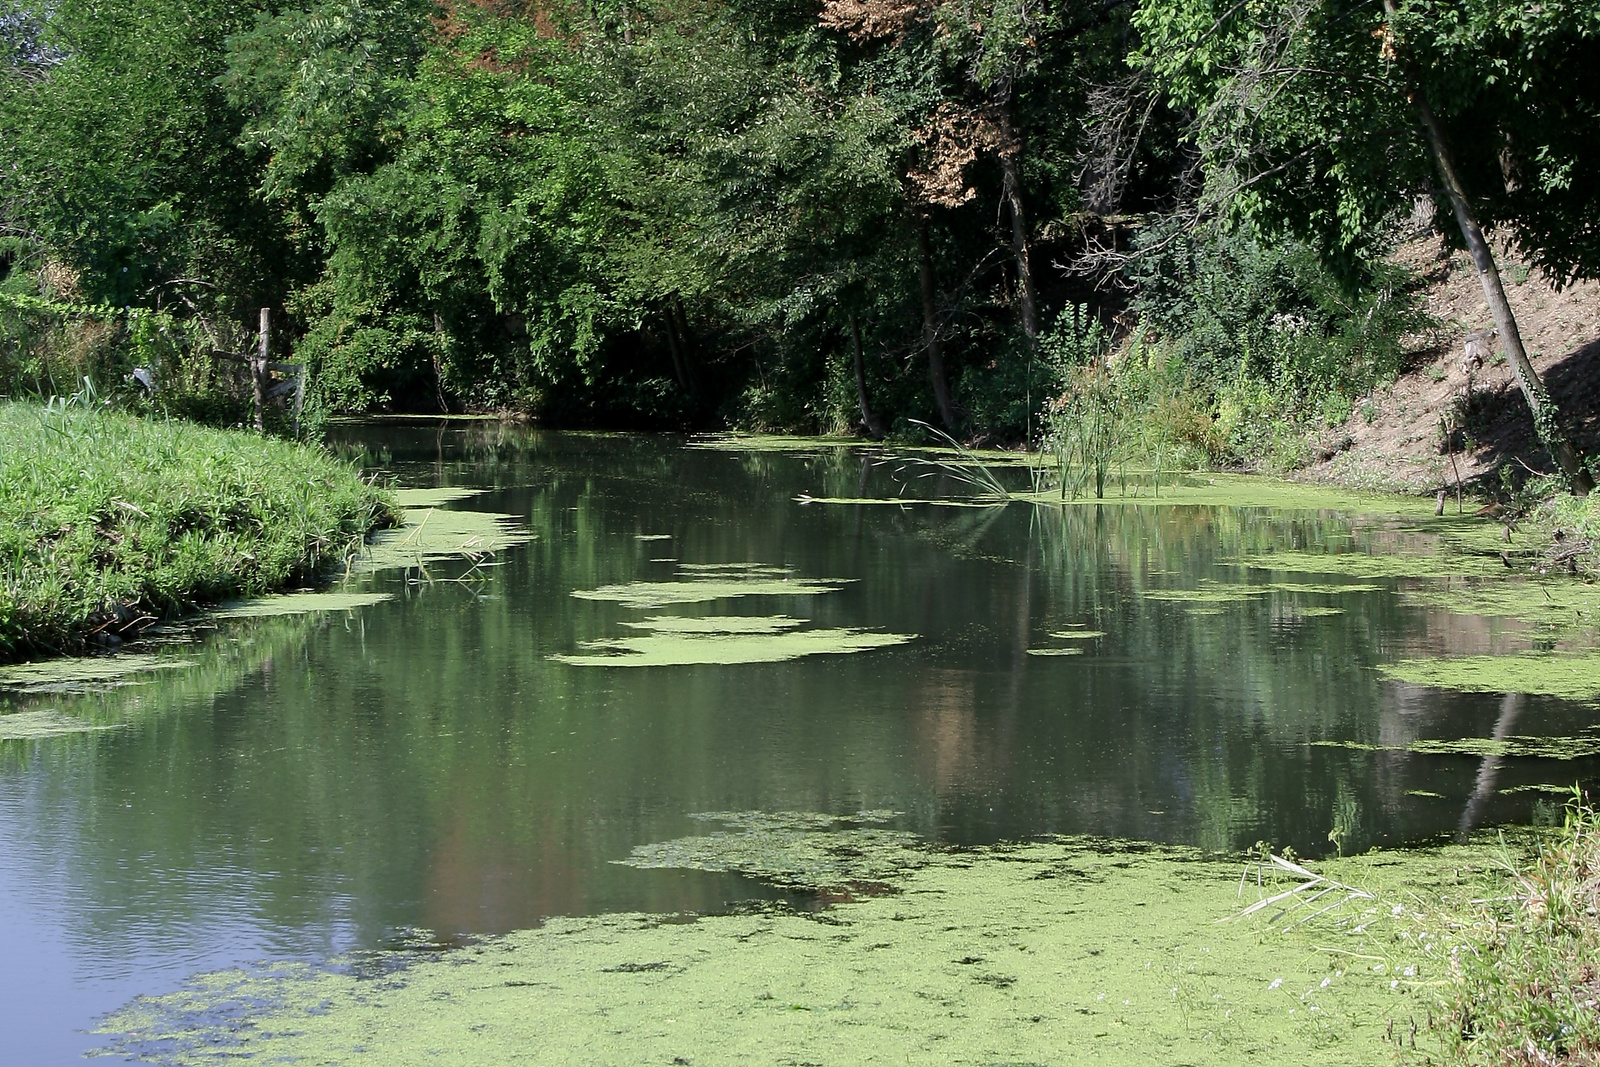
<point>110,522</point>
<point>1524,985</point>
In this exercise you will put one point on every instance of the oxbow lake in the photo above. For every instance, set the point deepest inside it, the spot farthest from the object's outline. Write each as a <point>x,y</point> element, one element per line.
<point>669,628</point>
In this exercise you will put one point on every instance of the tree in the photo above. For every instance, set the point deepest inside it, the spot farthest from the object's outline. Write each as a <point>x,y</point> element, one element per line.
<point>1317,117</point>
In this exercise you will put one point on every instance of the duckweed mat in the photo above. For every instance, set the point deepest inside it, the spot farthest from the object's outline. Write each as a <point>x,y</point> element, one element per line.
<point>77,673</point>
<point>296,604</point>
<point>1066,952</point>
<point>429,532</point>
<point>1570,675</point>
<point>42,722</point>
<point>698,583</point>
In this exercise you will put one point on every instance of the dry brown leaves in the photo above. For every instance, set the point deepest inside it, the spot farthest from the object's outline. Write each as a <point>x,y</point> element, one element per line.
<point>950,142</point>
<point>866,20</point>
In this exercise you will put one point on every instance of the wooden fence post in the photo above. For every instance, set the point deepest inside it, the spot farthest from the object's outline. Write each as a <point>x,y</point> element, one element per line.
<point>258,369</point>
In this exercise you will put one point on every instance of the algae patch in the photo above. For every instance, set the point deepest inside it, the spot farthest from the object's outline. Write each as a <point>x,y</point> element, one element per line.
<point>1363,565</point>
<point>1233,595</point>
<point>85,672</point>
<point>42,722</point>
<point>296,604</point>
<point>428,532</point>
<point>699,583</point>
<point>1569,675</point>
<point>676,641</point>
<point>795,850</point>
<point>1062,952</point>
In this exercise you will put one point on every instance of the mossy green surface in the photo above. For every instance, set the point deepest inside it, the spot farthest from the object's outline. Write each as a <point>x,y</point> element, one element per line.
<point>1064,952</point>
<point>1223,595</point>
<point>1562,748</point>
<point>35,723</point>
<point>1364,565</point>
<point>296,604</point>
<point>1557,605</point>
<point>678,641</point>
<point>703,582</point>
<point>1570,675</point>
<point>429,532</point>
<point>902,501</point>
<point>74,673</point>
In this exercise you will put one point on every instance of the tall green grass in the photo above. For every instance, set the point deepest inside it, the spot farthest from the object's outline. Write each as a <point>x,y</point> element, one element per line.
<point>1524,981</point>
<point>109,522</point>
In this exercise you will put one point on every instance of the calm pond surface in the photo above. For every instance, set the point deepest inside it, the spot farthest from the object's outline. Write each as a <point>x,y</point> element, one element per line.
<point>310,784</point>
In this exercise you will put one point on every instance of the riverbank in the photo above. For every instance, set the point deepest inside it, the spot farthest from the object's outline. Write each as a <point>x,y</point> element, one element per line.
<point>1523,985</point>
<point>109,523</point>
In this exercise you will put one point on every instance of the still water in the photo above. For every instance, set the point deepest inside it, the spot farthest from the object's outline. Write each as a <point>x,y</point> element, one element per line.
<point>424,769</point>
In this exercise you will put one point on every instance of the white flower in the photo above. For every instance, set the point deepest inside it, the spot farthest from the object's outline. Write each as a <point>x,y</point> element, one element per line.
<point>1276,982</point>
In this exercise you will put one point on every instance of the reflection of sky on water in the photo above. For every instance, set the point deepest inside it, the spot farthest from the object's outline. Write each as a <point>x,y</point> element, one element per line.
<point>314,785</point>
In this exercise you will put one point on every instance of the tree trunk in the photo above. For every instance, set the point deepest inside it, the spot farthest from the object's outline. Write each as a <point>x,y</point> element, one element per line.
<point>683,352</point>
<point>258,370</point>
<point>868,417</point>
<point>930,326</point>
<point>679,372</point>
<point>1019,246</point>
<point>1546,417</point>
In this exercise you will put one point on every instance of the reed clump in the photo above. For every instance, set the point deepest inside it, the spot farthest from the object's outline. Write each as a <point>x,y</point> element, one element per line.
<point>110,522</point>
<point>1524,984</point>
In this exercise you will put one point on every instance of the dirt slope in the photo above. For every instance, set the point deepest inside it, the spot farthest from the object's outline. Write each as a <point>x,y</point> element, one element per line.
<point>1395,439</point>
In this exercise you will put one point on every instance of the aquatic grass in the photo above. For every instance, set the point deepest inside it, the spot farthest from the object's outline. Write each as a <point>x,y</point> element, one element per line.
<point>110,522</point>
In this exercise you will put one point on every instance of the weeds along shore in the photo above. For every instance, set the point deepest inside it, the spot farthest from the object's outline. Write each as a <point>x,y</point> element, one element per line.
<point>110,522</point>
<point>1524,978</point>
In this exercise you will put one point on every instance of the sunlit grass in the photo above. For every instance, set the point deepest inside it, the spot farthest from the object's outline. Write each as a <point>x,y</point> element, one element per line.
<point>1525,976</point>
<point>109,522</point>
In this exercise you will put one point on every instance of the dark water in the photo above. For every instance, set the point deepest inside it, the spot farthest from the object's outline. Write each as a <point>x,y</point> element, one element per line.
<point>315,784</point>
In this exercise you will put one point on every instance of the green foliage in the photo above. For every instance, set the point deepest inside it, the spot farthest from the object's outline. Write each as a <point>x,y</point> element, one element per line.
<point>1521,986</point>
<point>109,522</point>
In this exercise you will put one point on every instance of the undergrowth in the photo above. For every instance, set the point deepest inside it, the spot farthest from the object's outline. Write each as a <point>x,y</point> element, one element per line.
<point>1524,985</point>
<point>109,522</point>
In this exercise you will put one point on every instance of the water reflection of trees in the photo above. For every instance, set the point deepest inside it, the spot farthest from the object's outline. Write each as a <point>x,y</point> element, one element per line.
<point>424,762</point>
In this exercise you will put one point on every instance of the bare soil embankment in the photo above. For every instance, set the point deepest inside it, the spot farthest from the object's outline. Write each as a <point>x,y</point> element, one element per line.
<point>1396,439</point>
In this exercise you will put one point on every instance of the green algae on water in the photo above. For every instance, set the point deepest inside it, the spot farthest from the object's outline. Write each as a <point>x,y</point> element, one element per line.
<point>430,533</point>
<point>1318,612</point>
<point>1055,651</point>
<point>1569,675</point>
<point>1363,565</point>
<point>1550,604</point>
<point>78,673</point>
<point>1230,595</point>
<point>1062,952</point>
<point>903,501</point>
<point>804,850</point>
<point>43,722</point>
<point>1524,747</point>
<point>296,604</point>
<point>675,642</point>
<point>700,583</point>
<point>1324,588</point>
